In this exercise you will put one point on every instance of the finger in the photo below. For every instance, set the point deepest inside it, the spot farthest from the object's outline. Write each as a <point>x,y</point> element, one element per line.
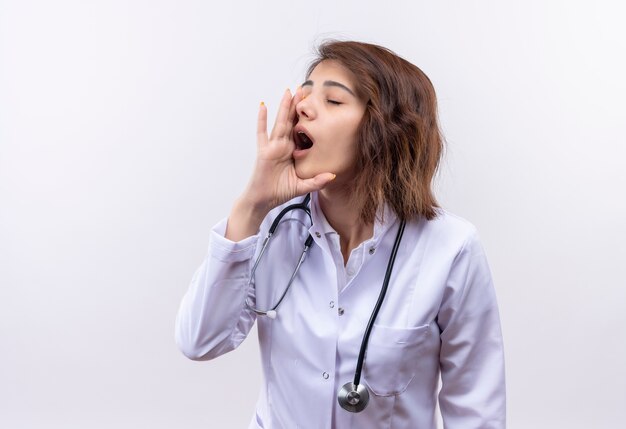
<point>316,183</point>
<point>281,117</point>
<point>261,127</point>
<point>294,102</point>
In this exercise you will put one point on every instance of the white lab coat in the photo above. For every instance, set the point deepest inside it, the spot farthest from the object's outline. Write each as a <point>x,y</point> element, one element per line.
<point>439,316</point>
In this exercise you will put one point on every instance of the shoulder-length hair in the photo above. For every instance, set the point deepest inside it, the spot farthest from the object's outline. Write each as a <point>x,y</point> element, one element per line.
<point>399,143</point>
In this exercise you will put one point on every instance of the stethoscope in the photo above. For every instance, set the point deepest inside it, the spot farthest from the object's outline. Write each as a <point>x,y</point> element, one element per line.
<point>353,396</point>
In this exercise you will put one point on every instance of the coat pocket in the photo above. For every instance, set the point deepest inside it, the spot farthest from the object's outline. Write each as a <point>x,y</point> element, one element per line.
<point>390,360</point>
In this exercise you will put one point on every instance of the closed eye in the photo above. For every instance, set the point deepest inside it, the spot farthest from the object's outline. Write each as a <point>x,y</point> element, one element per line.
<point>335,102</point>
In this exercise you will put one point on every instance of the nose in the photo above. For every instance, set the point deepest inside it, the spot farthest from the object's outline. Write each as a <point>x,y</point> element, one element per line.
<point>305,108</point>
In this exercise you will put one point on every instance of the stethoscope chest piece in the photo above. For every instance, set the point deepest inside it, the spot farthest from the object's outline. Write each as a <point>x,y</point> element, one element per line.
<point>353,398</point>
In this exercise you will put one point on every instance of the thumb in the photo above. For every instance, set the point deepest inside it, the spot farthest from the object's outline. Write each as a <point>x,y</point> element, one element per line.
<point>315,183</point>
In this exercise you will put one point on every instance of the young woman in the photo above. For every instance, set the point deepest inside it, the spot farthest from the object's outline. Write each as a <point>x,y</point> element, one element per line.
<point>392,291</point>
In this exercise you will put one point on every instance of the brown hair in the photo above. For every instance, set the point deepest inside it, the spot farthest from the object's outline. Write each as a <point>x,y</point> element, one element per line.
<point>400,143</point>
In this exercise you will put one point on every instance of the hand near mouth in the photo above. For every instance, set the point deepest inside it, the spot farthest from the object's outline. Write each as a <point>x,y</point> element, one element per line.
<point>274,179</point>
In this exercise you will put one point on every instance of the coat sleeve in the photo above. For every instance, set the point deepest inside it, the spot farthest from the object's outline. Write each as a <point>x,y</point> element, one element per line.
<point>471,359</point>
<point>213,318</point>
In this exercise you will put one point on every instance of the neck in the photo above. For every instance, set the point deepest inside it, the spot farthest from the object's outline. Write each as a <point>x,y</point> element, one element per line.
<point>344,217</point>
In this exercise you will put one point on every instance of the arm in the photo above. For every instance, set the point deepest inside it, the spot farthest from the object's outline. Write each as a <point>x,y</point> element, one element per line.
<point>471,358</point>
<point>212,318</point>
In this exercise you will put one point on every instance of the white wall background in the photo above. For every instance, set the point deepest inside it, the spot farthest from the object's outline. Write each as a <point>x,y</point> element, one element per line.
<point>127,130</point>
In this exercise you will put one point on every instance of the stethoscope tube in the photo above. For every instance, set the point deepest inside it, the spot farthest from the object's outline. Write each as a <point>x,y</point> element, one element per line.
<point>302,205</point>
<point>379,303</point>
<point>353,396</point>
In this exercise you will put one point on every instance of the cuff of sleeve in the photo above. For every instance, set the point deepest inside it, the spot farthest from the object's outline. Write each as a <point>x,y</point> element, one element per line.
<point>230,251</point>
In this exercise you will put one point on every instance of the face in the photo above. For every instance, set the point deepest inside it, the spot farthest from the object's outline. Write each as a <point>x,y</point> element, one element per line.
<point>328,120</point>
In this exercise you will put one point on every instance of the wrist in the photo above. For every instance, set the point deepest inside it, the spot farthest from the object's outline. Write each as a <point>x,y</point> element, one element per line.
<point>245,220</point>
<point>252,206</point>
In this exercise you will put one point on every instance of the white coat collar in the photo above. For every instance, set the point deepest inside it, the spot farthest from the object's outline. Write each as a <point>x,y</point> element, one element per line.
<point>384,219</point>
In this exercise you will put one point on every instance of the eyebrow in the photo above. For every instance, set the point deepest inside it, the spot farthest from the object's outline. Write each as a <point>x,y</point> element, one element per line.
<point>330,83</point>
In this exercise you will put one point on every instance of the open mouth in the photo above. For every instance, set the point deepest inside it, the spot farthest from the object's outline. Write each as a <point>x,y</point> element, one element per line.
<point>302,140</point>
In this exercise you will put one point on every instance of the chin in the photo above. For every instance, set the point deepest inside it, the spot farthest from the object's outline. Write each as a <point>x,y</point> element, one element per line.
<point>305,172</point>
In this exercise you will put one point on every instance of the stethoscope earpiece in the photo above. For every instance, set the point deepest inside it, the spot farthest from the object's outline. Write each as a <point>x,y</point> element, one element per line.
<point>353,398</point>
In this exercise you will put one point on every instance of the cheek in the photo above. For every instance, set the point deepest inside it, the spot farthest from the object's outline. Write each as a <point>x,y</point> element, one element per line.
<point>346,132</point>
<point>349,142</point>
<point>346,152</point>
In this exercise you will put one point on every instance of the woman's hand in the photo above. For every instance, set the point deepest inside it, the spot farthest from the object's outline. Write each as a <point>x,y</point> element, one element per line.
<point>274,180</point>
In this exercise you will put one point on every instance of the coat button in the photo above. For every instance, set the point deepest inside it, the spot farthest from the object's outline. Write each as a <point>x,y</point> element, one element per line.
<point>340,311</point>
<point>331,304</point>
<point>372,250</point>
<point>325,375</point>
<point>317,234</point>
